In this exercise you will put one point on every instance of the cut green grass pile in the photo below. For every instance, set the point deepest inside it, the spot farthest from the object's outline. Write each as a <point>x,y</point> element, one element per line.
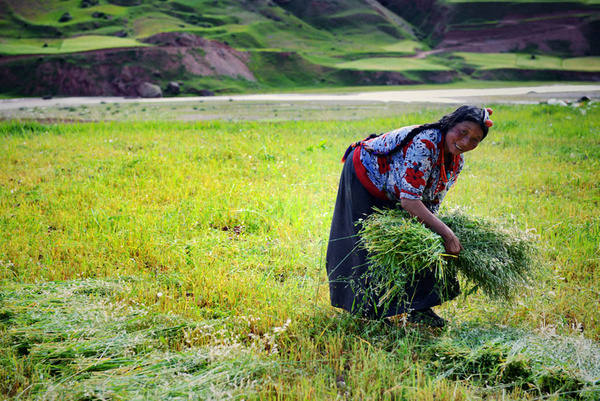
<point>91,338</point>
<point>512,359</point>
<point>496,258</point>
<point>80,341</point>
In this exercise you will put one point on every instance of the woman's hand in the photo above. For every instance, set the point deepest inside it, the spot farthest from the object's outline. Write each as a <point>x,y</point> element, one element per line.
<point>452,243</point>
<point>417,208</point>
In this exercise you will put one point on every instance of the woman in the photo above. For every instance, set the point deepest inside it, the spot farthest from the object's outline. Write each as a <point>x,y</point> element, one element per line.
<point>414,166</point>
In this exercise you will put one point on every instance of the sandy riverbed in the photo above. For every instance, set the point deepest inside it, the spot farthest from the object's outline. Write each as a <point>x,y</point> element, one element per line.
<point>525,94</point>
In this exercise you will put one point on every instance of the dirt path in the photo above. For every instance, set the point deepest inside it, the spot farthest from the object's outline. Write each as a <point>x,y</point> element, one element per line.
<point>526,94</point>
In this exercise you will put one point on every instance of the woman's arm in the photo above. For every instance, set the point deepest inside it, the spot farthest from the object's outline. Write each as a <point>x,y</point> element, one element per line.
<point>417,208</point>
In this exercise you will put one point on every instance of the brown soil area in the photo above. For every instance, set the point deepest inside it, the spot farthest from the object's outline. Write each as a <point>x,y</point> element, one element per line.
<point>201,56</point>
<point>547,33</point>
<point>120,72</point>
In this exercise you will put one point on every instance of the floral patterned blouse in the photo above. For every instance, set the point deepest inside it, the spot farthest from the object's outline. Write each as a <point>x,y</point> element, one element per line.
<point>415,172</point>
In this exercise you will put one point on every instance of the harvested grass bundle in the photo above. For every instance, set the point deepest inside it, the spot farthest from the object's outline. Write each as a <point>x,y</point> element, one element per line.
<point>495,259</point>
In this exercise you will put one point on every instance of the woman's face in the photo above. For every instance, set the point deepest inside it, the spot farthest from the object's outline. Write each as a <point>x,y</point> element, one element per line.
<point>462,137</point>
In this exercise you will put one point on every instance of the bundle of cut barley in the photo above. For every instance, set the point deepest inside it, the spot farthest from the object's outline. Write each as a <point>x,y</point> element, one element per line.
<point>495,259</point>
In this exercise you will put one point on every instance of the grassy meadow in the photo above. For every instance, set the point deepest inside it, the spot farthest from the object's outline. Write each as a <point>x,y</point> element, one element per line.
<point>153,259</point>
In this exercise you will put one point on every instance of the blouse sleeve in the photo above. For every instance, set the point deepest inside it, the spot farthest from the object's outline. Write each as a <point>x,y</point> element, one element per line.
<point>415,170</point>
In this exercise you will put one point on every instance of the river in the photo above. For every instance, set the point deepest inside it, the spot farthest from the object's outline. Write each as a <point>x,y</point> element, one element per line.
<point>523,94</point>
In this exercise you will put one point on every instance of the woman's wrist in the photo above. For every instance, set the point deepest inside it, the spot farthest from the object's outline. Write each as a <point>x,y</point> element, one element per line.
<point>446,233</point>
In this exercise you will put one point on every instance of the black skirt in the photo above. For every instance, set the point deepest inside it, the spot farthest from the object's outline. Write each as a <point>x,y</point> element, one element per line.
<point>347,263</point>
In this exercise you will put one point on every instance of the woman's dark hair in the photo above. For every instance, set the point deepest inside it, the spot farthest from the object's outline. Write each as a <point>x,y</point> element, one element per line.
<point>463,113</point>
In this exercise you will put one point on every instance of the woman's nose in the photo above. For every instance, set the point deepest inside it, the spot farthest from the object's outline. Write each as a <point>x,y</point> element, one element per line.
<point>465,143</point>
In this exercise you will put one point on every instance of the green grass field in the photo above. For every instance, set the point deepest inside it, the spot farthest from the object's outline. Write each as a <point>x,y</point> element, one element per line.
<point>582,64</point>
<point>404,46</point>
<point>164,259</point>
<point>488,61</point>
<point>393,64</point>
<point>71,45</point>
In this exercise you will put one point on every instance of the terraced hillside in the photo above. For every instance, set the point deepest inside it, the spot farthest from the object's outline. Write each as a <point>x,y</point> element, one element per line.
<point>139,47</point>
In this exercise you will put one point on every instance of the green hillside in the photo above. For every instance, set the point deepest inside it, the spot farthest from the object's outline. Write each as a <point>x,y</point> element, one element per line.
<point>327,43</point>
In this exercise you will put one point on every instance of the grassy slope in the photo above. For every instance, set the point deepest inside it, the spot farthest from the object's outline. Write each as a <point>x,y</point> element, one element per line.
<point>179,262</point>
<point>346,31</point>
<point>351,37</point>
<point>263,28</point>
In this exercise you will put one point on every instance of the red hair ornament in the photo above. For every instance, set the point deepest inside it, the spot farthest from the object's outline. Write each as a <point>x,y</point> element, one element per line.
<point>486,117</point>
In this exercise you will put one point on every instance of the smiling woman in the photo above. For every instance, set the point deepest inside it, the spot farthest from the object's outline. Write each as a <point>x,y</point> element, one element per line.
<point>463,137</point>
<point>414,167</point>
